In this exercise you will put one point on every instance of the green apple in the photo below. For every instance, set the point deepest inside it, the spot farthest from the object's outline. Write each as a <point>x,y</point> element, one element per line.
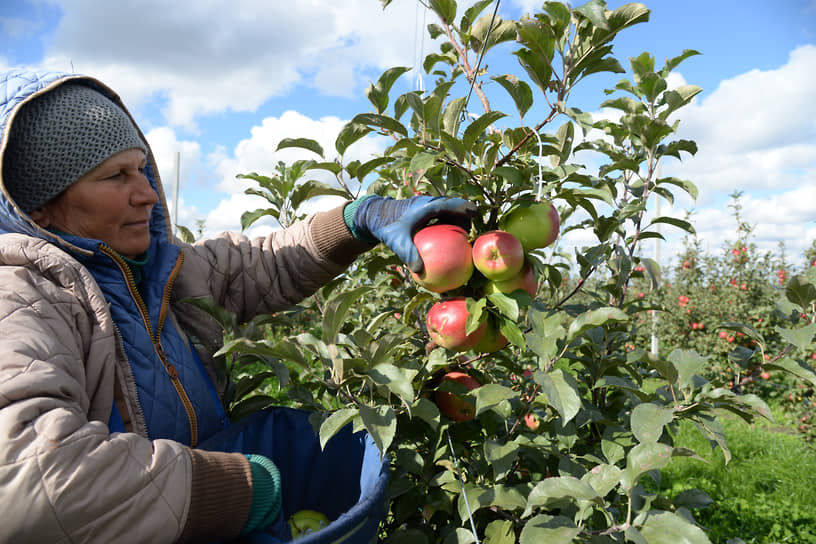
<point>307,522</point>
<point>535,224</point>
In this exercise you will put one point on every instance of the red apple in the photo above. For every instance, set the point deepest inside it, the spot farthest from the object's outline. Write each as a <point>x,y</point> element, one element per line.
<point>447,323</point>
<point>451,404</point>
<point>525,280</point>
<point>532,421</point>
<point>535,224</point>
<point>447,256</point>
<point>498,255</point>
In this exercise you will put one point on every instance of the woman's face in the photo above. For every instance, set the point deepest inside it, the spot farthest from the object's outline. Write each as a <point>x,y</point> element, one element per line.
<point>111,203</point>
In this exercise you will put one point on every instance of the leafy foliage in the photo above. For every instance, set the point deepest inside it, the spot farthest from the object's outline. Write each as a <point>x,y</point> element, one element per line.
<point>575,416</point>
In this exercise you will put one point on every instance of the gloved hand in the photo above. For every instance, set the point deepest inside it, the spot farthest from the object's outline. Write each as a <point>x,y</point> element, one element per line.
<point>394,222</point>
<point>266,494</point>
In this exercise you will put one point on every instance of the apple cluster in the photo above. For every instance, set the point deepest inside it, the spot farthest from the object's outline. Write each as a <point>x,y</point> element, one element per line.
<point>500,256</point>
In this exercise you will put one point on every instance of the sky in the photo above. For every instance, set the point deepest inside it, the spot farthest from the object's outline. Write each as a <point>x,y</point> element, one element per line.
<point>219,84</point>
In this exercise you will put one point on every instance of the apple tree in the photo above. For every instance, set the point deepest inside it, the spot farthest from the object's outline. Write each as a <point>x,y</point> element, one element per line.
<point>564,424</point>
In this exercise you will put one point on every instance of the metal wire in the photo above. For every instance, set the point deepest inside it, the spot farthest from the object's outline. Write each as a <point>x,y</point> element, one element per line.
<point>479,61</point>
<point>462,486</point>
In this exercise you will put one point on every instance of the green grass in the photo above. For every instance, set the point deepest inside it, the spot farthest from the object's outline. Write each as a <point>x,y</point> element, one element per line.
<point>766,493</point>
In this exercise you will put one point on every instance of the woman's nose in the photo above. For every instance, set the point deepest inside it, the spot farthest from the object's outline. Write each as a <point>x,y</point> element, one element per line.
<point>144,194</point>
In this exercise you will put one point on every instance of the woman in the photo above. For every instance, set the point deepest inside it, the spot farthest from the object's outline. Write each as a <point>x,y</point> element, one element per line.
<point>106,378</point>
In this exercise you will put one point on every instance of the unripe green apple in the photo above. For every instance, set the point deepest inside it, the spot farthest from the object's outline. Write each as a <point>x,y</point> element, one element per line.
<point>535,224</point>
<point>306,522</point>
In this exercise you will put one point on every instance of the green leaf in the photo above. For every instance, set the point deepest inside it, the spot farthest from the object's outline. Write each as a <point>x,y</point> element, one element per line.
<point>311,189</point>
<point>687,186</point>
<point>502,31</point>
<point>248,218</point>
<point>672,63</point>
<point>648,420</point>
<point>679,223</point>
<point>687,364</point>
<point>427,411</point>
<point>506,305</point>
<point>384,122</point>
<point>336,309</point>
<point>184,234</point>
<point>335,422</point>
<point>501,457</point>
<point>519,91</point>
<point>626,16</point>
<point>490,395</point>
<point>603,478</point>
<point>500,532</point>
<point>478,126</point>
<point>747,330</point>
<point>800,290</point>
<point>349,134</point>
<point>422,162</point>
<point>364,169</point>
<point>397,380</point>
<point>549,529</point>
<point>595,12</point>
<point>801,337</point>
<point>711,428</point>
<point>303,143</point>
<point>561,487</point>
<point>645,457</point>
<point>663,527</point>
<point>562,392</point>
<point>446,9</point>
<point>539,70</point>
<point>381,424</point>
<point>796,368</point>
<point>595,318</point>
<point>452,115</point>
<point>479,497</point>
<point>378,94</point>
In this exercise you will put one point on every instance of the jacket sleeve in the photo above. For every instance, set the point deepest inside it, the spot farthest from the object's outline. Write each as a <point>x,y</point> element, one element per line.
<point>63,476</point>
<point>263,275</point>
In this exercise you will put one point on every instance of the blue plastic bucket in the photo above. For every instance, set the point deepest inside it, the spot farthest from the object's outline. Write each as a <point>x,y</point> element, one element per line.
<point>346,481</point>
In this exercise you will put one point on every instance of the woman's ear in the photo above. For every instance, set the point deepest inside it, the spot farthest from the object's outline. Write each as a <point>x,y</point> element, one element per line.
<point>41,217</point>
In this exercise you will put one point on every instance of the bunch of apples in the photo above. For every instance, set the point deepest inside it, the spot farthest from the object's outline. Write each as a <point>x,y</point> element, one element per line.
<point>500,256</point>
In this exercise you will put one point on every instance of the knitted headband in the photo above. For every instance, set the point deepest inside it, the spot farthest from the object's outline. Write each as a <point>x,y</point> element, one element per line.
<point>58,137</point>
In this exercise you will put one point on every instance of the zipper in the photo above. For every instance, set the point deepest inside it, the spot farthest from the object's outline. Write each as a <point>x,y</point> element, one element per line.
<point>156,337</point>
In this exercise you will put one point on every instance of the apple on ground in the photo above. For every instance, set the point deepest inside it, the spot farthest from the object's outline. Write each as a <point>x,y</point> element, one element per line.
<point>447,325</point>
<point>451,404</point>
<point>306,522</point>
<point>498,255</point>
<point>524,280</point>
<point>447,257</point>
<point>535,224</point>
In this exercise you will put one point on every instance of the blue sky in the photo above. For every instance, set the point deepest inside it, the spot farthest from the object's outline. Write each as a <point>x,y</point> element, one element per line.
<point>223,82</point>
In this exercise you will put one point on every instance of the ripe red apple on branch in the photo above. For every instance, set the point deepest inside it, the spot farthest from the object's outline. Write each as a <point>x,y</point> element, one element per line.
<point>524,280</point>
<point>451,404</point>
<point>447,256</point>
<point>498,255</point>
<point>447,325</point>
<point>535,224</point>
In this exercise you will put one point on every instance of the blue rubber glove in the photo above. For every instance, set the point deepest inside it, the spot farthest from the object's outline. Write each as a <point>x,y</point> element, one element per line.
<point>394,222</point>
<point>266,494</point>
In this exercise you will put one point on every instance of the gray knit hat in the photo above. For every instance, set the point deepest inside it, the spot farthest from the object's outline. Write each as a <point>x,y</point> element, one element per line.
<point>58,137</point>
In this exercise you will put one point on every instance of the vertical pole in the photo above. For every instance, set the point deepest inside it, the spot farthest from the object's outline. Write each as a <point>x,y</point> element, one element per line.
<point>655,339</point>
<point>176,192</point>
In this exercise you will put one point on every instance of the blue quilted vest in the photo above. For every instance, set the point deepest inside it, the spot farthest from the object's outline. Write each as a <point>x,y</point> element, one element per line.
<point>176,396</point>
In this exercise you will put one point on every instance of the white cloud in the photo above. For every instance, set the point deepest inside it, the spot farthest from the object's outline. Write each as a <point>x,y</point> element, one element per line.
<point>209,57</point>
